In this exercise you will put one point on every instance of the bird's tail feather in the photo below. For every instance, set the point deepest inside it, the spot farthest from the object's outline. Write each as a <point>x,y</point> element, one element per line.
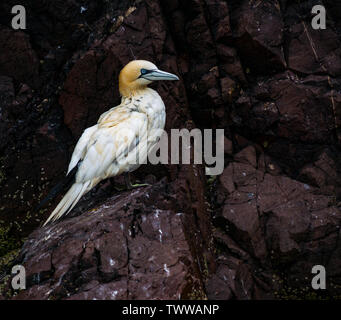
<point>69,201</point>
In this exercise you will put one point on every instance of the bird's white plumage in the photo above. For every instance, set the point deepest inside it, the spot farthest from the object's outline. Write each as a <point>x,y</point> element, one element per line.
<point>111,141</point>
<point>109,147</point>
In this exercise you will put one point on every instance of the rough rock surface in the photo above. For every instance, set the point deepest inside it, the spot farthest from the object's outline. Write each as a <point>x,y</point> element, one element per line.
<point>275,229</point>
<point>131,247</point>
<point>256,69</point>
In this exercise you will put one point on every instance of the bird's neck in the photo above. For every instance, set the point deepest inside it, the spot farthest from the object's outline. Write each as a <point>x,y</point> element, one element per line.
<point>132,92</point>
<point>139,95</point>
<point>130,89</point>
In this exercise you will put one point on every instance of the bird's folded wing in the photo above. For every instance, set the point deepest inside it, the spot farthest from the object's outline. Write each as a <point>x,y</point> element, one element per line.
<point>109,142</point>
<point>81,147</point>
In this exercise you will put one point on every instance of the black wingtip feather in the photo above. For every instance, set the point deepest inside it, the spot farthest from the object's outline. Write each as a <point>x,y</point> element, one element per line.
<point>59,188</point>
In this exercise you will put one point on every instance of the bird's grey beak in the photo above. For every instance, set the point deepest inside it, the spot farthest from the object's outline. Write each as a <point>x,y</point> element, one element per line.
<point>155,75</point>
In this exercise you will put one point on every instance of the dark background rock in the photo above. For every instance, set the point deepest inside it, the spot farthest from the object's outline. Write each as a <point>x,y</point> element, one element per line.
<point>254,68</point>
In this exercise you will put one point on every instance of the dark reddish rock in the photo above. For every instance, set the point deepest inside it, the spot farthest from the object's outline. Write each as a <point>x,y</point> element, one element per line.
<point>83,97</point>
<point>6,90</point>
<point>228,146</point>
<point>290,107</point>
<point>132,247</point>
<point>280,225</point>
<point>311,51</point>
<point>259,31</point>
<point>323,173</point>
<point>17,58</point>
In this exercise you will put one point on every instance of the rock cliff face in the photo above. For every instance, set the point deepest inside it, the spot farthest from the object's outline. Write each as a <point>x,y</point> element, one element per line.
<point>254,68</point>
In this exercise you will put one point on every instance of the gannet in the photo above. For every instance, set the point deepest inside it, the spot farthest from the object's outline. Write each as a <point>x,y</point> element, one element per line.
<point>104,150</point>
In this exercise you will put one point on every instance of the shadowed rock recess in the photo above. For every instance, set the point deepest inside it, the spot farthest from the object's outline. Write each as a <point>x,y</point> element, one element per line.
<point>254,68</point>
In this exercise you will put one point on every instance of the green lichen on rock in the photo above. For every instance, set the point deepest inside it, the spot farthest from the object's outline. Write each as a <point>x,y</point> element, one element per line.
<point>2,172</point>
<point>8,258</point>
<point>304,293</point>
<point>5,264</point>
<point>8,243</point>
<point>197,294</point>
<point>3,284</point>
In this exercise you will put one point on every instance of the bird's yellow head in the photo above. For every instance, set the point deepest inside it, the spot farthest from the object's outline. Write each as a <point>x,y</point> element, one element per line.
<point>137,74</point>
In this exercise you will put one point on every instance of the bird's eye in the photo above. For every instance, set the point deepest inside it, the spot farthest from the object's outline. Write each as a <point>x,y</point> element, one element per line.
<point>144,71</point>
